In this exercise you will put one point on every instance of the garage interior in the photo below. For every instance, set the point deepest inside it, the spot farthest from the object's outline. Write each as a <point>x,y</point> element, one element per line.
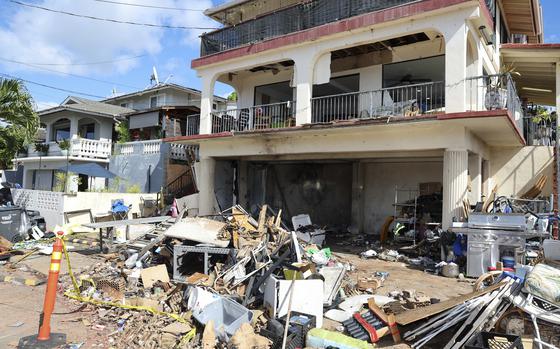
<point>346,194</point>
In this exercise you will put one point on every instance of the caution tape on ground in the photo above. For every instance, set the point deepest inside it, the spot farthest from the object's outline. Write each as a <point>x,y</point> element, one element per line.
<point>76,295</point>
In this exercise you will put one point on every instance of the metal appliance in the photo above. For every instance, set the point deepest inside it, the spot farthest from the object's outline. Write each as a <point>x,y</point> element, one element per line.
<point>502,221</point>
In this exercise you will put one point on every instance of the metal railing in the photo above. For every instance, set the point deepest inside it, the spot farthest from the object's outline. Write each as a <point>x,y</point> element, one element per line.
<point>410,100</point>
<point>289,20</point>
<point>494,92</point>
<point>188,126</point>
<point>259,117</point>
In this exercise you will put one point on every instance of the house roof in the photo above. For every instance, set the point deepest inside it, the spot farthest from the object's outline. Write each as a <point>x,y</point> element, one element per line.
<point>84,105</point>
<point>159,87</point>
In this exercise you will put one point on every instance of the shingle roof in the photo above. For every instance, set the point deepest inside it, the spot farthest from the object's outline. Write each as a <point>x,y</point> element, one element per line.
<point>158,87</point>
<point>88,106</point>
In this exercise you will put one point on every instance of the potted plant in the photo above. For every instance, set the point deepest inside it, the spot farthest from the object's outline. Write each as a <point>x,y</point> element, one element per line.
<point>42,148</point>
<point>22,152</point>
<point>496,91</point>
<point>64,146</point>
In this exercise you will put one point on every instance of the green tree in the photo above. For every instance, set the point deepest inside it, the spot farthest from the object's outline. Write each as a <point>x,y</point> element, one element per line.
<point>18,119</point>
<point>232,97</point>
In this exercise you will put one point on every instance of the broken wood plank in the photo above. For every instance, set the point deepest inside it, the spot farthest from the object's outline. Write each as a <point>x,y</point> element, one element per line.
<point>414,315</point>
<point>262,220</point>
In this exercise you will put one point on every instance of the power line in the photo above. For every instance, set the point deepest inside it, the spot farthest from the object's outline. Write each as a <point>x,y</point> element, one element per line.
<point>85,63</point>
<point>108,19</point>
<point>149,6</point>
<point>51,87</point>
<point>69,74</point>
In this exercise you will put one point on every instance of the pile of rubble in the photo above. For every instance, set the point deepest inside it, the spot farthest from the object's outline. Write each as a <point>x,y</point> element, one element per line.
<point>239,282</point>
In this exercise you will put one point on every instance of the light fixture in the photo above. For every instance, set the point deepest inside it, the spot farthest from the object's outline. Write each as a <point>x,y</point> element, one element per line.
<point>537,89</point>
<point>488,38</point>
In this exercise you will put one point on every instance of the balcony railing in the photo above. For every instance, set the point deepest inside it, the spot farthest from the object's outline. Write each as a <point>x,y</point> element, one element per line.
<point>410,100</point>
<point>494,92</point>
<point>79,147</point>
<point>260,117</point>
<point>299,17</point>
<point>138,148</point>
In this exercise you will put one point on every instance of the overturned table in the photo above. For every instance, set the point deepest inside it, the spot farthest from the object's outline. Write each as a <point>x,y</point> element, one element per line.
<point>111,225</point>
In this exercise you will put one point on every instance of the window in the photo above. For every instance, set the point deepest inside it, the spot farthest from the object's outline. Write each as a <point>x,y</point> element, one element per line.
<point>214,106</point>
<point>61,130</point>
<point>124,105</point>
<point>87,131</point>
<point>153,101</point>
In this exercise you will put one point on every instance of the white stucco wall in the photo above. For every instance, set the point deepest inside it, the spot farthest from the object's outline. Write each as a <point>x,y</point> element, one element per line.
<point>103,125</point>
<point>515,170</point>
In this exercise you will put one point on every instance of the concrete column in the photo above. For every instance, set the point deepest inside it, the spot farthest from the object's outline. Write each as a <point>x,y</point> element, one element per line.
<point>358,175</point>
<point>73,127</point>
<point>304,90</point>
<point>206,100</point>
<point>455,178</point>
<point>242,181</point>
<point>48,131</point>
<point>205,181</point>
<point>475,172</point>
<point>455,66</point>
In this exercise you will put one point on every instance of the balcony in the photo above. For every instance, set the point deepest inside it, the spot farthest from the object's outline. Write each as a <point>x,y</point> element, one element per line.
<point>154,147</point>
<point>259,117</point>
<point>290,20</point>
<point>79,148</point>
<point>410,100</point>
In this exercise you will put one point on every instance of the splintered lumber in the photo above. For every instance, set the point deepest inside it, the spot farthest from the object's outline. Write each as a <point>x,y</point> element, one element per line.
<point>536,189</point>
<point>262,220</point>
<point>489,199</point>
<point>417,314</point>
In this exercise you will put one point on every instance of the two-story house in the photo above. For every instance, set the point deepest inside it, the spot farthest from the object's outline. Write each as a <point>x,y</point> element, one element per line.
<point>85,128</point>
<point>340,102</point>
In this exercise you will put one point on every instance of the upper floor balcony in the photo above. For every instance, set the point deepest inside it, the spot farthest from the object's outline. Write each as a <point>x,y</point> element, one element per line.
<point>302,16</point>
<point>81,148</point>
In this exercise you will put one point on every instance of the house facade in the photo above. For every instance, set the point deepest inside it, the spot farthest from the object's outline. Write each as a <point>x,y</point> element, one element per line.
<point>82,126</point>
<point>341,103</point>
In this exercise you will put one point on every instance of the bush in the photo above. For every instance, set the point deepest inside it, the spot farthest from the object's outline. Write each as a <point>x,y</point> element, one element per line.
<point>64,144</point>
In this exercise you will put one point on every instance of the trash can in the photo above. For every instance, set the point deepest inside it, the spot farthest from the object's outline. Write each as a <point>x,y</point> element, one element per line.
<point>11,223</point>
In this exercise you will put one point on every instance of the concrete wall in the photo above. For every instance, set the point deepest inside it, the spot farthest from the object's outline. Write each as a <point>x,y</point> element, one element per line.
<point>515,170</point>
<point>100,203</point>
<point>103,125</point>
<point>146,170</point>
<point>380,180</point>
<point>322,190</point>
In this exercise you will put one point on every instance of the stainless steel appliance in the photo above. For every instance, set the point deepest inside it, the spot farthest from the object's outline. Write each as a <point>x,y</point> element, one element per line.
<point>502,221</point>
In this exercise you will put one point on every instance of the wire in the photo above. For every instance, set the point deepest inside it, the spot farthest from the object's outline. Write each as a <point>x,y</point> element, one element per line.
<point>49,86</point>
<point>86,63</point>
<point>108,19</point>
<point>149,6</point>
<point>69,74</point>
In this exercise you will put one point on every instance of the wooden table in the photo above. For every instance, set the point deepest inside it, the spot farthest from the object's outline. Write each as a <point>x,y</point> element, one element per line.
<point>111,225</point>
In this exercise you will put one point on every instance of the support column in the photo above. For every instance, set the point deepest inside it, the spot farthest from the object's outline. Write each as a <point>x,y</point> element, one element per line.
<point>455,169</point>
<point>205,181</point>
<point>557,87</point>
<point>73,127</point>
<point>304,90</point>
<point>475,172</point>
<point>206,100</point>
<point>455,67</point>
<point>358,174</point>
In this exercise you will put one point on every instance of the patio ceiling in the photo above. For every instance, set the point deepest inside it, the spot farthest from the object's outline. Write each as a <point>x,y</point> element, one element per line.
<point>524,17</point>
<point>537,66</point>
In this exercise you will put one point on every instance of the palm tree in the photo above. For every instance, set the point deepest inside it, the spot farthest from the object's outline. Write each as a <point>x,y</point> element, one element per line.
<point>18,119</point>
<point>17,107</point>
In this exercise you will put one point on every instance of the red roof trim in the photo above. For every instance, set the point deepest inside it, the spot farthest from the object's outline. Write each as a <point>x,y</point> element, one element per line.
<point>352,23</point>
<point>531,46</point>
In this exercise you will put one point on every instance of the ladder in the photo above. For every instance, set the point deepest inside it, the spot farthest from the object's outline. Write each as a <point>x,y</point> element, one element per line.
<point>149,239</point>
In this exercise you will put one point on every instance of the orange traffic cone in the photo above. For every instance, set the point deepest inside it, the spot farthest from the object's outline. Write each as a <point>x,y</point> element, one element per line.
<point>46,339</point>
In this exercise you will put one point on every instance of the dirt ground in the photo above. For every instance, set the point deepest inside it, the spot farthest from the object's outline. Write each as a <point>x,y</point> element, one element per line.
<point>24,303</point>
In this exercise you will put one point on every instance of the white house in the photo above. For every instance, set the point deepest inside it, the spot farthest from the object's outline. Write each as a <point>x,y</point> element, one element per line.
<point>342,101</point>
<point>88,127</point>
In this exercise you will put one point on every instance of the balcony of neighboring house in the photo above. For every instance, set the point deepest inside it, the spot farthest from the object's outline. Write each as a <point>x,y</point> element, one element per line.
<point>155,147</point>
<point>282,18</point>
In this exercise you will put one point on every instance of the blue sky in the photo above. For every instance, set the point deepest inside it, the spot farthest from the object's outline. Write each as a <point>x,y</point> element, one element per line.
<point>38,37</point>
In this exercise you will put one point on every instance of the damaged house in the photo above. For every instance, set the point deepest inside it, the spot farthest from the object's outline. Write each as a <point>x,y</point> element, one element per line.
<point>348,109</point>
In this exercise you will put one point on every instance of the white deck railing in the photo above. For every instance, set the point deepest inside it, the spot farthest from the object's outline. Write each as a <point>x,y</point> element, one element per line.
<point>140,147</point>
<point>79,147</point>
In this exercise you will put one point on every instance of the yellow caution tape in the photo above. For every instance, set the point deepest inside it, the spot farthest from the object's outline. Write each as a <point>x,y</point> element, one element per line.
<point>76,295</point>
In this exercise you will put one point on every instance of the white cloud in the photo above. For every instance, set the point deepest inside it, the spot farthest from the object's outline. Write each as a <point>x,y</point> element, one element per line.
<point>46,105</point>
<point>34,35</point>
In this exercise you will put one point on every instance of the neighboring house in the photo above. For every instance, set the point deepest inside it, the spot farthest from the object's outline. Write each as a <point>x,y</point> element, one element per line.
<point>342,101</point>
<point>88,126</point>
<point>163,110</point>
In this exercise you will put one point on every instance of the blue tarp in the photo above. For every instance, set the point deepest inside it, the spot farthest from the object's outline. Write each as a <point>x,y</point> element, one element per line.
<point>91,169</point>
